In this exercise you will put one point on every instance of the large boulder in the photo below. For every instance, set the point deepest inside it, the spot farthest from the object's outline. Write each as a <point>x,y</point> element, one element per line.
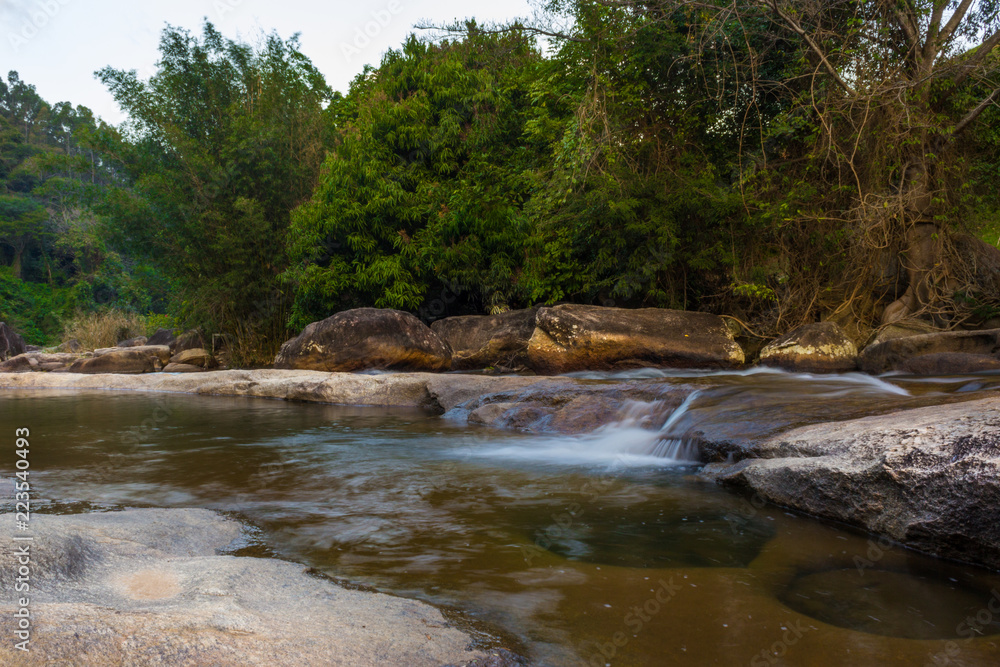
<point>817,347</point>
<point>574,338</point>
<point>927,477</point>
<point>194,357</point>
<point>126,360</point>
<point>481,341</point>
<point>366,338</point>
<point>892,355</point>
<point>11,343</point>
<point>162,337</point>
<point>189,340</point>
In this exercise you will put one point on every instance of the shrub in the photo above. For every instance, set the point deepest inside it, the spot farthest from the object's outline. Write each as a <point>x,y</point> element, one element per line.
<point>104,328</point>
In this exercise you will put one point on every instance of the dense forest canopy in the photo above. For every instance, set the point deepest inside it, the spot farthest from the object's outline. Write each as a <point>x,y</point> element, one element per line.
<point>778,161</point>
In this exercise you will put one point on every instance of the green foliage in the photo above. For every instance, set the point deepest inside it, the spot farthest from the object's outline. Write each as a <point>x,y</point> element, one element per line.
<point>221,144</point>
<point>426,184</point>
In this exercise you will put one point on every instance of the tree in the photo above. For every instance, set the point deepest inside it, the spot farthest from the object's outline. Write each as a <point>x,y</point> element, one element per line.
<point>22,222</point>
<point>870,151</point>
<point>220,145</point>
<point>426,186</point>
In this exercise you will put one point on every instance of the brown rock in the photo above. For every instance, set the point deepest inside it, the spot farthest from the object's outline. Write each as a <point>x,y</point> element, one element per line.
<point>893,354</point>
<point>949,363</point>
<point>194,357</point>
<point>129,360</point>
<point>499,341</point>
<point>11,343</point>
<point>903,329</point>
<point>161,337</point>
<point>817,347</point>
<point>182,368</point>
<point>366,338</point>
<point>573,338</point>
<point>133,342</point>
<point>72,345</point>
<point>19,364</point>
<point>188,340</point>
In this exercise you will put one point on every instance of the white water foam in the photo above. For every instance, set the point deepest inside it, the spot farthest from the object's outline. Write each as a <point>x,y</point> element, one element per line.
<point>624,444</point>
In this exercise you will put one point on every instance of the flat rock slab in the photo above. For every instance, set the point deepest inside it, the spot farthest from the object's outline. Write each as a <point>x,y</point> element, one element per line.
<point>145,587</point>
<point>928,477</point>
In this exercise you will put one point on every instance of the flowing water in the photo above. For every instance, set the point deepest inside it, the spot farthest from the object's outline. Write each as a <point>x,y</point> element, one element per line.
<point>594,550</point>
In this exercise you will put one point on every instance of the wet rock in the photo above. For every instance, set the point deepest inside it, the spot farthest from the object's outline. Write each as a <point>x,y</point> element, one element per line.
<point>573,338</point>
<point>133,342</point>
<point>194,357</point>
<point>950,363</point>
<point>498,341</point>
<point>11,343</point>
<point>161,337</point>
<point>366,338</point>
<point>188,340</point>
<point>928,477</point>
<point>892,355</point>
<point>145,586</point>
<point>572,406</point>
<point>817,347</point>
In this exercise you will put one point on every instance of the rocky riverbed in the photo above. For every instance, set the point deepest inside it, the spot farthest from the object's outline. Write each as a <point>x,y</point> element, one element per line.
<point>149,586</point>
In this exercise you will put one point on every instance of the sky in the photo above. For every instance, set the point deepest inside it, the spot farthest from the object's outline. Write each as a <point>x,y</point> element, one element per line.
<point>57,45</point>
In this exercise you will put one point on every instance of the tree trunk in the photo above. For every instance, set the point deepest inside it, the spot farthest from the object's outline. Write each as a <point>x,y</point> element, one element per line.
<point>924,252</point>
<point>16,265</point>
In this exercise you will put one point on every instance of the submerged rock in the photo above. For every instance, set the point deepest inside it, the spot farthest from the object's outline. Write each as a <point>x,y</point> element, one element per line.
<point>146,586</point>
<point>928,477</point>
<point>893,354</point>
<point>817,347</point>
<point>366,338</point>
<point>478,341</point>
<point>11,343</point>
<point>571,338</point>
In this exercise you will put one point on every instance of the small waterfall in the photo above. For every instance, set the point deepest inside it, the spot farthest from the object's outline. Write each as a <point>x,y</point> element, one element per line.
<point>670,442</point>
<point>636,439</point>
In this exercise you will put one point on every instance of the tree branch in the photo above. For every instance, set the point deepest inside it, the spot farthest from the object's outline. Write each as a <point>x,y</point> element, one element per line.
<point>972,115</point>
<point>949,29</point>
<point>976,59</point>
<point>801,32</point>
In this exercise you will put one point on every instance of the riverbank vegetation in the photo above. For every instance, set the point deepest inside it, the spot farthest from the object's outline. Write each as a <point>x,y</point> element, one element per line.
<point>778,162</point>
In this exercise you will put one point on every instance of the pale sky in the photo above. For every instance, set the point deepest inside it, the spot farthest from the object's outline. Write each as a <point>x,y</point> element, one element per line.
<point>57,45</point>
